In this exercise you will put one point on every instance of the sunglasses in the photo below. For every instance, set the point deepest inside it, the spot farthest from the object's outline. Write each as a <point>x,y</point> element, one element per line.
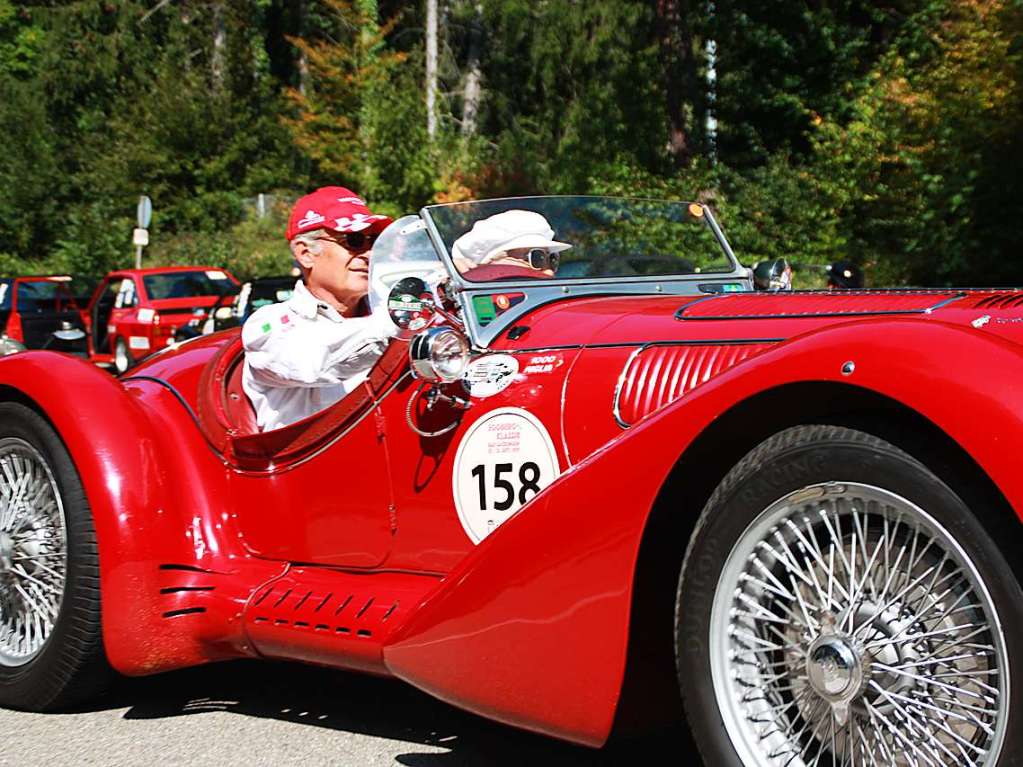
<point>542,259</point>
<point>353,241</point>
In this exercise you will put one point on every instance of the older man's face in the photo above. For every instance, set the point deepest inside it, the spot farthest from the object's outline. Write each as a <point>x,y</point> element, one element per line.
<point>343,264</point>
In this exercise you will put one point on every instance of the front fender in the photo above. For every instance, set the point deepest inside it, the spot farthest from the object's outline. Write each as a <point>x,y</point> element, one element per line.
<point>532,628</point>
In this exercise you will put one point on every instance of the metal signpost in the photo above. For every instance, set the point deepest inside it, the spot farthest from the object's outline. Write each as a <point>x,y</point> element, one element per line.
<point>140,237</point>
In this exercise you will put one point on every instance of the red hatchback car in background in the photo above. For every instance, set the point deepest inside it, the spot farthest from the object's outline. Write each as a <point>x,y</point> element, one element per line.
<point>134,312</point>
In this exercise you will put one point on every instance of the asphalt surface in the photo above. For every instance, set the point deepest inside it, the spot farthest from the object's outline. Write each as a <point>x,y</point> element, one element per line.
<point>251,713</point>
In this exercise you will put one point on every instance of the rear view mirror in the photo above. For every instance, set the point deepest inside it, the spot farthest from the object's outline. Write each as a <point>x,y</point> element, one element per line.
<point>773,275</point>
<point>410,304</point>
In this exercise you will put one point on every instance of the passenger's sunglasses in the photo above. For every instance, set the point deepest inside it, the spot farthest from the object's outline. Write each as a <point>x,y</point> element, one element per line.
<point>356,242</point>
<point>540,258</point>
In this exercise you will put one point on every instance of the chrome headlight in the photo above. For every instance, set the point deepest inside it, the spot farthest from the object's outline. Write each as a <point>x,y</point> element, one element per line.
<point>10,346</point>
<point>439,355</point>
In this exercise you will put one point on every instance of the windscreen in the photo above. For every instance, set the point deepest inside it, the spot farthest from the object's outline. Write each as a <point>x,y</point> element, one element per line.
<point>44,296</point>
<point>265,292</point>
<point>578,238</point>
<point>202,282</point>
<point>402,250</point>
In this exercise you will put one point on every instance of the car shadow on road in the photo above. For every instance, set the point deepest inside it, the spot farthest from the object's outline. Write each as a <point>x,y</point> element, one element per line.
<point>383,708</point>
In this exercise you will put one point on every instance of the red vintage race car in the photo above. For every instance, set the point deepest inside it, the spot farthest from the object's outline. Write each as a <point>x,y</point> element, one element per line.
<point>569,499</point>
<point>135,312</point>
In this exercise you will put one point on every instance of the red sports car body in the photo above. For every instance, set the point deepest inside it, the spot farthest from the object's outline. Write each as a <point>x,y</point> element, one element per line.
<point>515,541</point>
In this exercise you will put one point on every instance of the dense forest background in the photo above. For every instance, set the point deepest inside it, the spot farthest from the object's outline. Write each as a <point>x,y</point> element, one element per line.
<point>889,133</point>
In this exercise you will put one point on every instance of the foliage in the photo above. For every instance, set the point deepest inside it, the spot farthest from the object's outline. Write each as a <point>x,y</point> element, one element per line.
<point>887,132</point>
<point>928,166</point>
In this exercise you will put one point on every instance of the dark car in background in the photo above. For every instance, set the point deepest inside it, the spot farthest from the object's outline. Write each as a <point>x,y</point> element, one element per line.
<point>232,311</point>
<point>32,308</point>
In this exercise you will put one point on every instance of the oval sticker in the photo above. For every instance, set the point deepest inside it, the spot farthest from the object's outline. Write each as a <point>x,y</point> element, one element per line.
<point>489,375</point>
<point>505,459</point>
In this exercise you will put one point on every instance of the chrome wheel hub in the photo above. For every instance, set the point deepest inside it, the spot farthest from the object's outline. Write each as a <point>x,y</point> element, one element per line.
<point>33,552</point>
<point>833,668</point>
<point>848,626</point>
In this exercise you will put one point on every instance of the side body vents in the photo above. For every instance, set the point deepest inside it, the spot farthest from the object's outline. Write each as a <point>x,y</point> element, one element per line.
<point>656,375</point>
<point>332,617</point>
<point>1001,301</point>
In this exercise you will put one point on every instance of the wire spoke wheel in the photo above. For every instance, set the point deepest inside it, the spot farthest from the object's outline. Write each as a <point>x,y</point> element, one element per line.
<point>849,627</point>
<point>33,552</point>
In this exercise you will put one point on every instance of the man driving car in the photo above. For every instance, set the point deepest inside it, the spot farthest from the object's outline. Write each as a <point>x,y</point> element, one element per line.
<point>308,352</point>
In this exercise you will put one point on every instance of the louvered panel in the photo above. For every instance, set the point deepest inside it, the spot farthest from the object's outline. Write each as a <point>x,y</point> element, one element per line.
<point>657,375</point>
<point>1001,301</point>
<point>815,304</point>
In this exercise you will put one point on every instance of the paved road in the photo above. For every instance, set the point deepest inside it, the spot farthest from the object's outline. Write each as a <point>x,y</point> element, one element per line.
<point>249,713</point>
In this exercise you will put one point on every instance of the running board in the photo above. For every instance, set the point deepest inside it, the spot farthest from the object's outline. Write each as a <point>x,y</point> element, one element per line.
<point>333,617</point>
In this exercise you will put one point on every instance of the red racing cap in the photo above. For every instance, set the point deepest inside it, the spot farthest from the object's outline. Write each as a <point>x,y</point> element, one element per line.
<point>333,207</point>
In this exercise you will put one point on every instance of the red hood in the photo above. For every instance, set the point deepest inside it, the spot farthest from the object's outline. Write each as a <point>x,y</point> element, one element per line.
<point>759,316</point>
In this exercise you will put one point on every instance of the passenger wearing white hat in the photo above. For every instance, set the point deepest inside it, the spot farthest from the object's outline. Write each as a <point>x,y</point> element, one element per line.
<point>508,245</point>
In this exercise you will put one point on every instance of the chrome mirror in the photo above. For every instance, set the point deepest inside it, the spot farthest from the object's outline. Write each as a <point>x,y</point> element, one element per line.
<point>773,275</point>
<point>410,304</point>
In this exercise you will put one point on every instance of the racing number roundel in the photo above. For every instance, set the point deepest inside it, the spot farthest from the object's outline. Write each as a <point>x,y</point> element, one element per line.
<point>505,458</point>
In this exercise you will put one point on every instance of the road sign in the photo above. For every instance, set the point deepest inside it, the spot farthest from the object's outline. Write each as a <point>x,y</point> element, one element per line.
<point>140,237</point>
<point>145,212</point>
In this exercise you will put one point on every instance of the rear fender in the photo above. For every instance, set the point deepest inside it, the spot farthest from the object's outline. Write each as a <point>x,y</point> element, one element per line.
<point>138,504</point>
<point>532,628</point>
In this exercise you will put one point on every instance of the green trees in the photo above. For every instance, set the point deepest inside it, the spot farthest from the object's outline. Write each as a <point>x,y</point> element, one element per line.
<point>929,165</point>
<point>889,133</point>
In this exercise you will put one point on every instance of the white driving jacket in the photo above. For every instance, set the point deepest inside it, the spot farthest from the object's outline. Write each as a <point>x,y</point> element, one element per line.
<point>301,356</point>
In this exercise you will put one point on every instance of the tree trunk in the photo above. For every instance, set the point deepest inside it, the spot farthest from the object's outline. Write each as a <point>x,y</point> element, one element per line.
<point>675,39</point>
<point>303,59</point>
<point>710,118</point>
<point>431,67</point>
<point>474,75</point>
<point>219,56</point>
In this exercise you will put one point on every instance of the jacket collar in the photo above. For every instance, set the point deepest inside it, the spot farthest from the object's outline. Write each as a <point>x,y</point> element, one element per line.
<point>306,305</point>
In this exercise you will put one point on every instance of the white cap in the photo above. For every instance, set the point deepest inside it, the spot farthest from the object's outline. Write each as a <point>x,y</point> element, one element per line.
<point>511,230</point>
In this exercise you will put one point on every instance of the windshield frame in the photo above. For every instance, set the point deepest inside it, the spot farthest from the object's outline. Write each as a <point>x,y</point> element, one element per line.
<point>458,279</point>
<point>540,292</point>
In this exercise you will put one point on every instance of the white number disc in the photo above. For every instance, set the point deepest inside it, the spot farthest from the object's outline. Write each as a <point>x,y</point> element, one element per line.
<point>505,458</point>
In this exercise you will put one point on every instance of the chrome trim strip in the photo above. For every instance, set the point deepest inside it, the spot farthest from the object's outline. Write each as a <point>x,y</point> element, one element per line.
<point>720,235</point>
<point>680,313</point>
<point>177,395</point>
<point>616,404</point>
<point>630,344</point>
<point>946,302</point>
<point>564,399</point>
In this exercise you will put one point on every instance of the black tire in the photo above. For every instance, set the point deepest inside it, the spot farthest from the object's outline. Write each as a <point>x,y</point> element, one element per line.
<point>71,665</point>
<point>123,361</point>
<point>745,509</point>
